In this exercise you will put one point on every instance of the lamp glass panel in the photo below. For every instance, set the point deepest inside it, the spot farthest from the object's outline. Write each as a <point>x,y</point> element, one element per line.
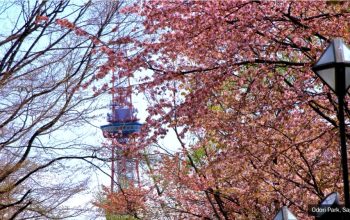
<point>328,76</point>
<point>279,215</point>
<point>327,56</point>
<point>346,52</point>
<point>290,215</point>
<point>329,200</point>
<point>347,77</point>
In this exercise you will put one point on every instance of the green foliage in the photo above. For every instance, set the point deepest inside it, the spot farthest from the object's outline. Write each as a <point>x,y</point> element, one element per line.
<point>216,108</point>
<point>119,217</point>
<point>198,155</point>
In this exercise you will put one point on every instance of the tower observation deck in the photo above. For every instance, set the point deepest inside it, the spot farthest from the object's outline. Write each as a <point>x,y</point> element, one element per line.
<point>122,124</point>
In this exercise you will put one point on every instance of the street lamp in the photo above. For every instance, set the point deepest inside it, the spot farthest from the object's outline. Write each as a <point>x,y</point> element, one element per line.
<point>333,68</point>
<point>285,214</point>
<point>331,200</point>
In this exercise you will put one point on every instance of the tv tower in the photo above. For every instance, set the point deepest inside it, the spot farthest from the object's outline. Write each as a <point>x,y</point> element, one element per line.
<point>122,124</point>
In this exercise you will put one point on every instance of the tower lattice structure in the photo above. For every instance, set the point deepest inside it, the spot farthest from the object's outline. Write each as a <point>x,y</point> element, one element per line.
<point>122,124</point>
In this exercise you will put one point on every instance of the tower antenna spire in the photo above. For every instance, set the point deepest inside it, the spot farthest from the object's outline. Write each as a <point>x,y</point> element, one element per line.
<point>122,124</point>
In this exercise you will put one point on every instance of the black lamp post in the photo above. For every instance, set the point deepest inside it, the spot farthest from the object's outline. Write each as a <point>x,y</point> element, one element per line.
<point>284,214</point>
<point>333,68</point>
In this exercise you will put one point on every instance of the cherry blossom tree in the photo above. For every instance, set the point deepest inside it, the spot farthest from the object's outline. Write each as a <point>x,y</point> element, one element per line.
<point>233,81</point>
